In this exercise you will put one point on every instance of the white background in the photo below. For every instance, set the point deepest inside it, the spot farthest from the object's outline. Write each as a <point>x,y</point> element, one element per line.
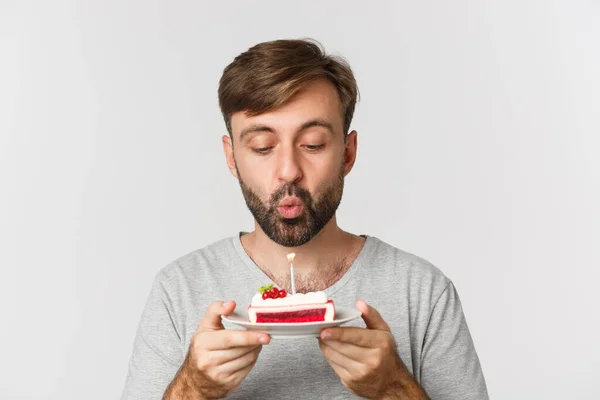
<point>479,127</point>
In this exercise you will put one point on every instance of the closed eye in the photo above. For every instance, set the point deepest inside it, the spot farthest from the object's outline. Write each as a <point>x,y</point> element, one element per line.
<point>262,150</point>
<point>313,147</point>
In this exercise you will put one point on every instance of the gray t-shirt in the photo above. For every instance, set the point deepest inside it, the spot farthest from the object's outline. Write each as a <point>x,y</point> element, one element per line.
<point>420,305</point>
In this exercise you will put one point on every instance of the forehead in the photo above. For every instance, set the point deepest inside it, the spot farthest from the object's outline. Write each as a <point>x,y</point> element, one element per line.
<point>317,100</point>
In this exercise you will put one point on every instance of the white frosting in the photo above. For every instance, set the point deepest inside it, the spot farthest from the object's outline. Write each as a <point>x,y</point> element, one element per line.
<point>290,300</point>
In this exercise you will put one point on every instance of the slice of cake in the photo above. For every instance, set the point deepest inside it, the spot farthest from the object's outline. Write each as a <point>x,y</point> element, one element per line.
<point>273,305</point>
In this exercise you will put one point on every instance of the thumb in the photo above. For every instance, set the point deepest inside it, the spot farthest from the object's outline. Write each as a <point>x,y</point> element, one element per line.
<point>212,318</point>
<point>371,316</point>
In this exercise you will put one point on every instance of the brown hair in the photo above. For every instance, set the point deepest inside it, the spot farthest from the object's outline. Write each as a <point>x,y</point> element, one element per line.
<point>270,73</point>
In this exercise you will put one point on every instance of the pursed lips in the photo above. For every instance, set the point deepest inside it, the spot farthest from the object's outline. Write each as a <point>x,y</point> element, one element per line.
<point>290,207</point>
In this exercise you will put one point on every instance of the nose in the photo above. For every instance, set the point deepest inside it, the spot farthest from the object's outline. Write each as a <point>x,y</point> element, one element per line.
<point>289,170</point>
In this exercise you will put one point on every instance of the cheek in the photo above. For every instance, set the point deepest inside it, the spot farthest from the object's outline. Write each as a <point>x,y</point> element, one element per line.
<point>327,169</point>
<point>248,168</point>
<point>255,179</point>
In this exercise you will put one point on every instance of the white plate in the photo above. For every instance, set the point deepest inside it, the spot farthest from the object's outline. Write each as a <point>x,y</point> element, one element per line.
<point>292,330</point>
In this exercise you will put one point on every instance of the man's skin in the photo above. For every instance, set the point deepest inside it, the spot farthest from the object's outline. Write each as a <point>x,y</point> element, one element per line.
<point>265,152</point>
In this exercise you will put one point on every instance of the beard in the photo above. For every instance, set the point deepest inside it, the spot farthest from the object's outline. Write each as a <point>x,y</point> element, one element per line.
<point>294,232</point>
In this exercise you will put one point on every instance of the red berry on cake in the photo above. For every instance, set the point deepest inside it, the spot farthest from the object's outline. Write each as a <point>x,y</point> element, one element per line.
<point>265,289</point>
<point>265,295</point>
<point>282,293</point>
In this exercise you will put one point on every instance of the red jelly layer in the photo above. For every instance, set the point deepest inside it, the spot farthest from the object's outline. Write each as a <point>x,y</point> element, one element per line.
<point>313,315</point>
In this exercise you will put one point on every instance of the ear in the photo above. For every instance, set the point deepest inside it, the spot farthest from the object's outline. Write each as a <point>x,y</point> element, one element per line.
<point>228,150</point>
<point>350,151</point>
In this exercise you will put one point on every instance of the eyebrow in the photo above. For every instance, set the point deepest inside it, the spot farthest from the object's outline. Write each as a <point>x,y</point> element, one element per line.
<point>317,122</point>
<point>265,128</point>
<point>255,128</point>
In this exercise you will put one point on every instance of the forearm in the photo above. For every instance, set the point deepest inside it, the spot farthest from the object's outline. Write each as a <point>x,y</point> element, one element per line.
<point>409,391</point>
<point>182,387</point>
<point>405,387</point>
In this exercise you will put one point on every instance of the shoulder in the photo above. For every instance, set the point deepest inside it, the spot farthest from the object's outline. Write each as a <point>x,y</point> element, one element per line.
<point>195,264</point>
<point>416,271</point>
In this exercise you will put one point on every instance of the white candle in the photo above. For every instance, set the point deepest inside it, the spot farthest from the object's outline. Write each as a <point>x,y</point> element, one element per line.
<point>290,258</point>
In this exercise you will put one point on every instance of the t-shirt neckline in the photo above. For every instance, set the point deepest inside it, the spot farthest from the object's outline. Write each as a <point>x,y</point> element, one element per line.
<point>263,279</point>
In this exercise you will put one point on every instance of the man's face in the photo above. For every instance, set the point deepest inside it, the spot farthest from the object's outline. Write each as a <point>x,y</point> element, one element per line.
<point>291,163</point>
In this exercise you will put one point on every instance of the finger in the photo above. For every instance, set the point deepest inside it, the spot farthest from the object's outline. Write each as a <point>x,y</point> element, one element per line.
<point>353,352</point>
<point>357,336</point>
<point>336,360</point>
<point>237,377</point>
<point>371,316</point>
<point>212,318</point>
<point>240,362</point>
<point>228,339</point>
<point>221,357</point>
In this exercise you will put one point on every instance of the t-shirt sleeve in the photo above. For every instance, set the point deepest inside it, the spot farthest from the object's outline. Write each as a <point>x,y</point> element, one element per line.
<point>450,368</point>
<point>157,352</point>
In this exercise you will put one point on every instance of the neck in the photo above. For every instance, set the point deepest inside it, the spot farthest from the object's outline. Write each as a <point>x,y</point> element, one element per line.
<point>329,253</point>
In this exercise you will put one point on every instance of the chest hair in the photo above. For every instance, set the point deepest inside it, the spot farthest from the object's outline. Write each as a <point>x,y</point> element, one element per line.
<point>325,276</point>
